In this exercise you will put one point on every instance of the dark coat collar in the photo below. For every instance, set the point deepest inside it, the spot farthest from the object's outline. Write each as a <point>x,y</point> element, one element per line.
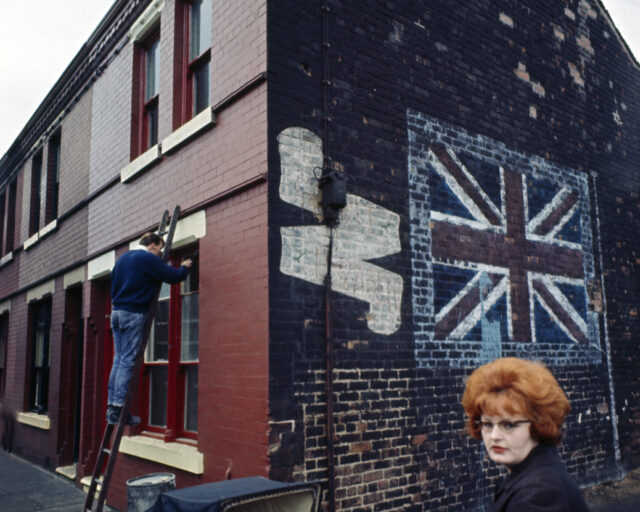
<point>542,455</point>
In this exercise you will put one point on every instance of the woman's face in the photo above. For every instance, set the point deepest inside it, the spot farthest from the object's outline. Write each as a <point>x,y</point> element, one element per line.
<point>507,437</point>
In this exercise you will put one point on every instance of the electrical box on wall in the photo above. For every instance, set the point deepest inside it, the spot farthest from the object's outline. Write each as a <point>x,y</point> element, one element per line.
<point>334,195</point>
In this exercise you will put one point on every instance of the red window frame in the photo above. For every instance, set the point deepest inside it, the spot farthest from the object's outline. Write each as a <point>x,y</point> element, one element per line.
<point>39,356</point>
<point>145,110</point>
<point>188,66</point>
<point>53,178</point>
<point>3,215</point>
<point>36,191</point>
<point>11,218</point>
<point>176,369</point>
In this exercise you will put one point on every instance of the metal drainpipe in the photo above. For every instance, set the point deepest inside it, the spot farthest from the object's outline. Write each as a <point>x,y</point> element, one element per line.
<point>329,380</point>
<point>329,355</point>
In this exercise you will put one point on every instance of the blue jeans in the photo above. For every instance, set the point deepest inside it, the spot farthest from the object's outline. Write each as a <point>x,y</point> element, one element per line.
<point>127,329</point>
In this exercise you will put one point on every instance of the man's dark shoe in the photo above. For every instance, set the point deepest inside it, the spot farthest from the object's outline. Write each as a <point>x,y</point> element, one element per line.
<point>133,420</point>
<point>113,416</point>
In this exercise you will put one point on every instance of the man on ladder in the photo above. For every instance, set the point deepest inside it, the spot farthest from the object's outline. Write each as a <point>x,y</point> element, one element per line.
<point>134,280</point>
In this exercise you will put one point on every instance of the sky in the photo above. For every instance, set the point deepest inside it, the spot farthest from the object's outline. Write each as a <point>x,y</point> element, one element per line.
<point>39,38</point>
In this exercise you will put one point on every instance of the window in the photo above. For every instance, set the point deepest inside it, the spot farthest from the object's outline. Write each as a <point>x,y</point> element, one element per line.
<point>53,178</point>
<point>36,193</point>
<point>4,333</point>
<point>11,218</point>
<point>147,82</point>
<point>40,313</point>
<point>170,379</point>
<point>3,200</point>
<point>193,49</point>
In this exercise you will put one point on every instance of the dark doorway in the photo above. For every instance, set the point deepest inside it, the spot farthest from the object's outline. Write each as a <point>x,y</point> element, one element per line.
<point>71,378</point>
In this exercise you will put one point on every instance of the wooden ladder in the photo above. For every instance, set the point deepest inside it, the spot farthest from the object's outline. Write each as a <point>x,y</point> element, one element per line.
<point>109,447</point>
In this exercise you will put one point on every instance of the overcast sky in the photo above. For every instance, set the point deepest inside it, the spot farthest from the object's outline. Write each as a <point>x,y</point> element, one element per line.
<point>39,38</point>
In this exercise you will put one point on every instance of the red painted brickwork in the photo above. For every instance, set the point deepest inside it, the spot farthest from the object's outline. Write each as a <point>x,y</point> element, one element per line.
<point>228,155</point>
<point>64,248</point>
<point>30,442</point>
<point>233,353</point>
<point>75,137</point>
<point>239,45</point>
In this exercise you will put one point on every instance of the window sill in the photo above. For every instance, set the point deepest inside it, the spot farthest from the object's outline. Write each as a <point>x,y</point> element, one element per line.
<point>187,131</point>
<point>140,164</point>
<point>176,455</point>
<point>31,241</point>
<point>40,421</point>
<point>35,238</point>
<point>6,259</point>
<point>49,228</point>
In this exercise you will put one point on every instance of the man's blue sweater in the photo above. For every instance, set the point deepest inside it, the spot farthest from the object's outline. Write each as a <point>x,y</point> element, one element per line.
<point>135,277</point>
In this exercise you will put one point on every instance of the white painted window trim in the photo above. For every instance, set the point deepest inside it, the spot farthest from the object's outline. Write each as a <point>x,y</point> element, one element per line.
<point>31,241</point>
<point>5,307</point>
<point>141,163</point>
<point>101,266</point>
<point>188,130</point>
<point>176,455</point>
<point>146,21</point>
<point>6,258</point>
<point>41,291</point>
<point>33,419</point>
<point>49,228</point>
<point>73,277</point>
<point>35,238</point>
<point>189,230</point>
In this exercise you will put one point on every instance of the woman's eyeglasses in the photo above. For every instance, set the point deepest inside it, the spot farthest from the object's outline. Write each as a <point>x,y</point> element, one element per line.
<point>506,427</point>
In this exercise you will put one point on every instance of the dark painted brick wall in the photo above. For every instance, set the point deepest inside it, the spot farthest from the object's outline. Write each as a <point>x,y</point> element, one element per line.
<point>544,91</point>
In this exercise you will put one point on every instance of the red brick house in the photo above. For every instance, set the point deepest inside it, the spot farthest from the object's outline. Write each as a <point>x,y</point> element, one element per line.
<point>134,127</point>
<point>480,163</point>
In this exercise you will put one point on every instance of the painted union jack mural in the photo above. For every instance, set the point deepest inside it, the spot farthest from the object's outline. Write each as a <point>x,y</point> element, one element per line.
<point>501,245</point>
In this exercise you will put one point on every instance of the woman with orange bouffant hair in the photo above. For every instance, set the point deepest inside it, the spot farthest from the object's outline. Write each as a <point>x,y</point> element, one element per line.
<point>517,409</point>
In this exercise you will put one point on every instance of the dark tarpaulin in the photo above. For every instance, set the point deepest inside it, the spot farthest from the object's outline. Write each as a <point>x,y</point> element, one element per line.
<point>251,494</point>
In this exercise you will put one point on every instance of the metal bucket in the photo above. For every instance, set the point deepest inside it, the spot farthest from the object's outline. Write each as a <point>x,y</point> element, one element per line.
<point>143,491</point>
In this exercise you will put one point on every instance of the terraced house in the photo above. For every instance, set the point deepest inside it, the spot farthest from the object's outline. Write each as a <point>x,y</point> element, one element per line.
<point>382,196</point>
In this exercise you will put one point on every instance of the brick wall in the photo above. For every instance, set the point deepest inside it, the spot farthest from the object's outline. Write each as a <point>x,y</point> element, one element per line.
<point>75,137</point>
<point>221,172</point>
<point>449,122</point>
<point>239,45</point>
<point>111,120</point>
<point>474,127</point>
<point>233,350</point>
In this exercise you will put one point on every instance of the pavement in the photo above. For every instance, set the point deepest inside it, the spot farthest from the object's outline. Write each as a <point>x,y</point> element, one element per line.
<point>25,487</point>
<point>619,496</point>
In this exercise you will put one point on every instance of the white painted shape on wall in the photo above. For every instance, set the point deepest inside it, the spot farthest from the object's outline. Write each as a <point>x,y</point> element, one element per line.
<point>366,231</point>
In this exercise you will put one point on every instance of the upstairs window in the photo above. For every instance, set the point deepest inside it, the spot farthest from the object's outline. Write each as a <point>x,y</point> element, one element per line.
<point>3,215</point>
<point>36,193</point>
<point>9,231</point>
<point>198,71</point>
<point>40,313</point>
<point>170,378</point>
<point>193,49</point>
<point>146,97</point>
<point>53,178</point>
